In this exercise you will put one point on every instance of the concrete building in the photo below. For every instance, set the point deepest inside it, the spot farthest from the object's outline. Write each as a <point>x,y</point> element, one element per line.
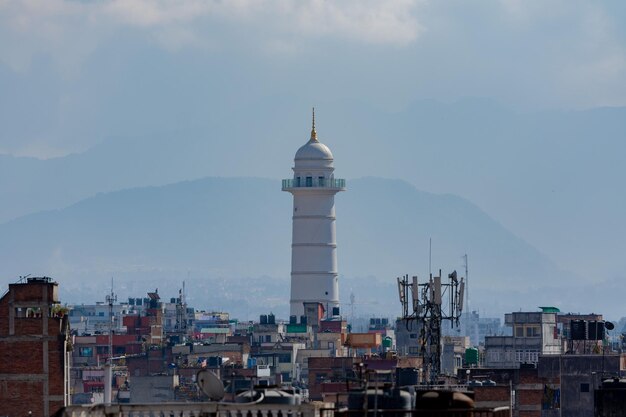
<point>453,353</point>
<point>34,358</point>
<point>407,337</point>
<point>534,334</point>
<point>558,385</point>
<point>578,376</point>
<point>267,330</point>
<point>582,343</point>
<point>92,319</point>
<point>476,327</point>
<point>212,327</point>
<point>314,276</point>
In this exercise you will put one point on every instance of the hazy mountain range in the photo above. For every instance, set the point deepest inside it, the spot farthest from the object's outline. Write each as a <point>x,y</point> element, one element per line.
<point>554,178</point>
<point>550,182</point>
<point>229,238</point>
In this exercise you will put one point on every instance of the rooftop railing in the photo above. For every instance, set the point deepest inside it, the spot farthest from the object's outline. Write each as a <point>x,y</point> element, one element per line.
<point>308,182</point>
<point>450,412</point>
<point>261,410</point>
<point>212,409</point>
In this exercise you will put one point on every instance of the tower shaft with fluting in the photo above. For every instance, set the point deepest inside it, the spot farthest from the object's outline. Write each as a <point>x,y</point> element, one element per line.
<point>314,275</point>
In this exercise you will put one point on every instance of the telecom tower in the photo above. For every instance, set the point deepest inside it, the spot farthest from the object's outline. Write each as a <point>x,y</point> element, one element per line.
<point>313,248</point>
<point>432,302</point>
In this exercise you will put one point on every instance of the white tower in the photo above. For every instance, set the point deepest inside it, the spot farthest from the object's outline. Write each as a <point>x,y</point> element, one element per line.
<point>313,246</point>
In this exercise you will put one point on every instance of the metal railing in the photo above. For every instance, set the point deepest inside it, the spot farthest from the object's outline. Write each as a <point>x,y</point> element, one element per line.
<point>261,410</point>
<point>451,412</point>
<point>212,409</point>
<point>309,182</point>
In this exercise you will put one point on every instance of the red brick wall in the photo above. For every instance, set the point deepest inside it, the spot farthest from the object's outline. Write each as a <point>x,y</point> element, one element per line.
<point>56,362</point>
<point>16,403</point>
<point>494,393</point>
<point>26,326</point>
<point>22,357</point>
<point>32,291</point>
<point>529,397</point>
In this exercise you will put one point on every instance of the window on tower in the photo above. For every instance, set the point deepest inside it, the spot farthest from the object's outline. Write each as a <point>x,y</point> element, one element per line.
<point>309,181</point>
<point>298,182</point>
<point>320,181</point>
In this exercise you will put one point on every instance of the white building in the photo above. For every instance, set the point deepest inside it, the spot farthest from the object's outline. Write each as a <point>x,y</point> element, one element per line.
<point>534,334</point>
<point>314,247</point>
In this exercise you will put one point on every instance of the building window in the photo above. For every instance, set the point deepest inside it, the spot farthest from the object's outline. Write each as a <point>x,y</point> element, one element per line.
<point>519,331</point>
<point>527,356</point>
<point>298,182</point>
<point>28,312</point>
<point>533,331</point>
<point>584,387</point>
<point>494,356</point>
<point>320,181</point>
<point>414,350</point>
<point>309,181</point>
<point>85,352</point>
<point>284,358</point>
<point>102,350</point>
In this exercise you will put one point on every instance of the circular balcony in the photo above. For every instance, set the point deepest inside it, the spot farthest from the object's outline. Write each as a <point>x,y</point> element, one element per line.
<point>337,184</point>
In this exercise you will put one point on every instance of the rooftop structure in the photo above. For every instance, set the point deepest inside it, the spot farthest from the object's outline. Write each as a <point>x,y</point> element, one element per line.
<point>534,334</point>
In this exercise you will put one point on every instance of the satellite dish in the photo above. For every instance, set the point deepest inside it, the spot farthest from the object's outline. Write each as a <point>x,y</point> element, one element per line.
<point>608,325</point>
<point>210,384</point>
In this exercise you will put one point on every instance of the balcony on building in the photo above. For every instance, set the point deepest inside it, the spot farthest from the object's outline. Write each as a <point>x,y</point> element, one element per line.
<point>298,183</point>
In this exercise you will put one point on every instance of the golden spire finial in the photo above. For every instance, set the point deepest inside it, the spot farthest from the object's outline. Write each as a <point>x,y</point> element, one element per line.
<point>313,132</point>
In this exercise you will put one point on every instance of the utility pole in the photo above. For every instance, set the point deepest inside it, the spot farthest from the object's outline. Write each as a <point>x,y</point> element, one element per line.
<point>108,367</point>
<point>467,283</point>
<point>181,315</point>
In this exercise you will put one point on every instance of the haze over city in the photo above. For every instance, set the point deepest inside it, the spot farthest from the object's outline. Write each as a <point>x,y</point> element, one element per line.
<point>146,141</point>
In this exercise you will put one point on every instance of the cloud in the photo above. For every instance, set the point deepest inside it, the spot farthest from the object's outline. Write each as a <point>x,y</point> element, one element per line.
<point>375,21</point>
<point>63,28</point>
<point>70,68</point>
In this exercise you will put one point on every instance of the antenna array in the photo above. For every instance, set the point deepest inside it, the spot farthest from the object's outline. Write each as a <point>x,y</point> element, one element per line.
<point>431,302</point>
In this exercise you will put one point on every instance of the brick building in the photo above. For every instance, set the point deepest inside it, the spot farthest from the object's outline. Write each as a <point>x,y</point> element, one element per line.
<point>34,342</point>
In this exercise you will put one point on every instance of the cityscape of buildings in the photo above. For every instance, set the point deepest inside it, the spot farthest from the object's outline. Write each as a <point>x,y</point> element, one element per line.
<point>150,348</point>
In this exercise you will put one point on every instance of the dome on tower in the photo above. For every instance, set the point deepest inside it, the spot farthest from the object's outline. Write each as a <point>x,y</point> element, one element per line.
<point>314,149</point>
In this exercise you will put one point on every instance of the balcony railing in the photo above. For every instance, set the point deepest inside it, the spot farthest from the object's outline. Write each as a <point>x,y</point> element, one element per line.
<point>308,182</point>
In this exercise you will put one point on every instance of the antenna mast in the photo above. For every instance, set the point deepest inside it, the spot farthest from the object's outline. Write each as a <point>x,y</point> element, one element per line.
<point>181,314</point>
<point>110,299</point>
<point>429,310</point>
<point>430,255</point>
<point>467,283</point>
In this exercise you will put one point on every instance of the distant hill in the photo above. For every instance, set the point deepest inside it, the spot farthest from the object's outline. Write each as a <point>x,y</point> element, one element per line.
<point>229,238</point>
<point>552,177</point>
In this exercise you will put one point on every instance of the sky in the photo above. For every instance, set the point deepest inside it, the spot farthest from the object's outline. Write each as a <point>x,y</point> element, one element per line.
<point>77,74</point>
<point>74,72</point>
